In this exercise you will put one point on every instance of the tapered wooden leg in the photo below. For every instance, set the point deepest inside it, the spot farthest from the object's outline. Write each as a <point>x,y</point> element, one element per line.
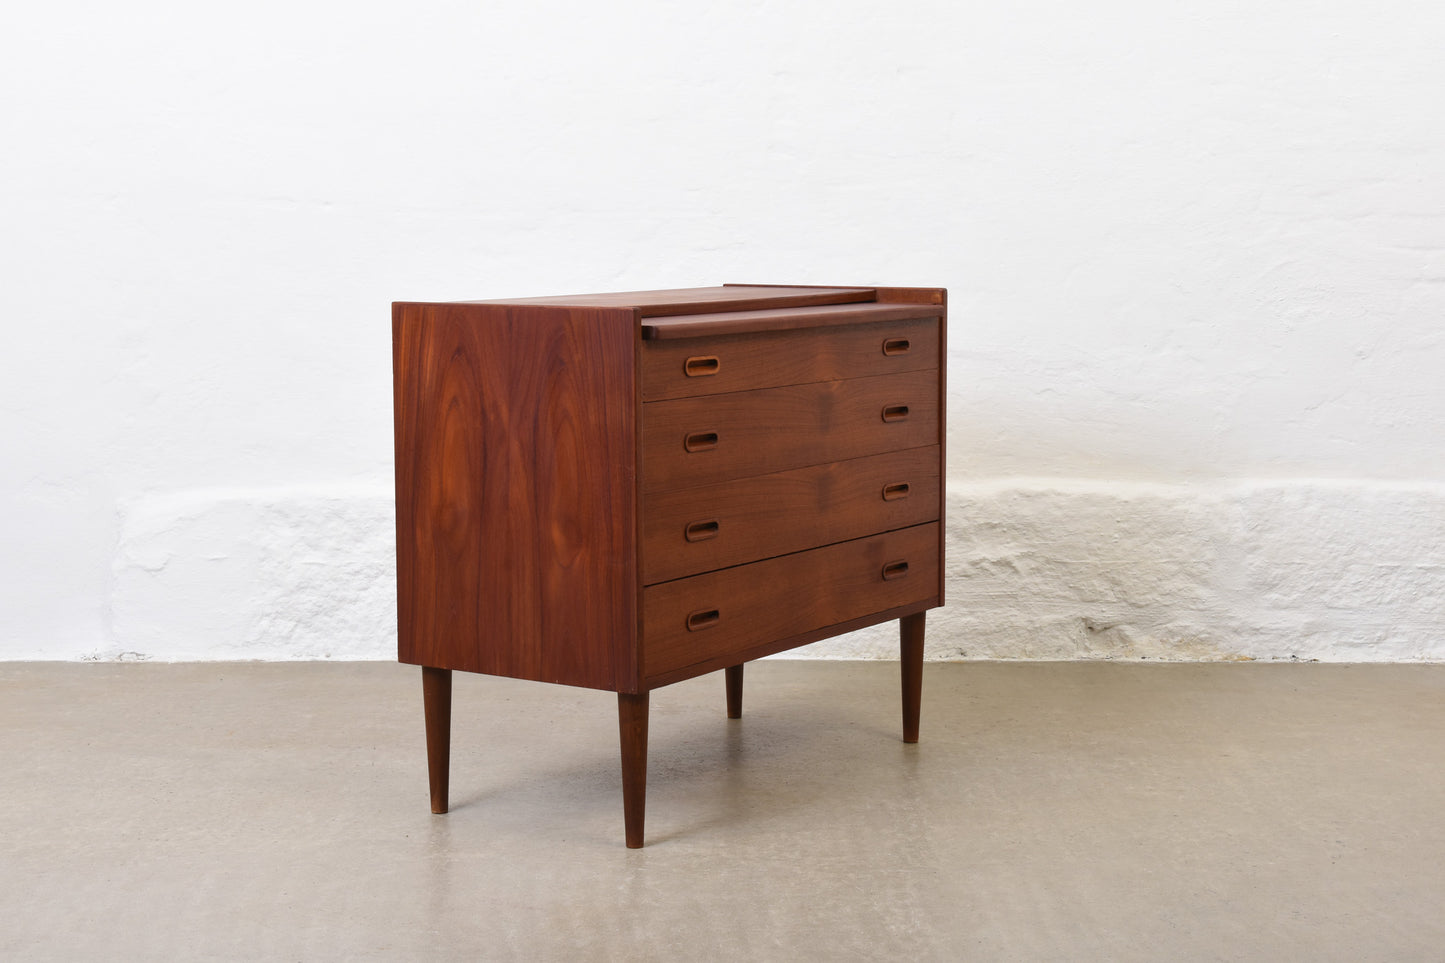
<point>632,726</point>
<point>436,690</point>
<point>734,676</point>
<point>911,634</point>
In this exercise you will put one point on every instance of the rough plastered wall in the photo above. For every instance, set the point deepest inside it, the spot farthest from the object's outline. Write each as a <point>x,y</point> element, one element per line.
<point>1195,253</point>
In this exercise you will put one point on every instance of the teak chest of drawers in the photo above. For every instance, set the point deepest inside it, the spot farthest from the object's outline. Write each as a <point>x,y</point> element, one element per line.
<point>621,491</point>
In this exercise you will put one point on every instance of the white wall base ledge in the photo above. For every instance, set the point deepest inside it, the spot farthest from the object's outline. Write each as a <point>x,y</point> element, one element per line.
<point>1327,570</point>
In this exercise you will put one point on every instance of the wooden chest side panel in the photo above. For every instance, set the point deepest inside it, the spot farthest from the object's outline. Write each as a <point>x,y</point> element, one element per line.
<point>515,473</point>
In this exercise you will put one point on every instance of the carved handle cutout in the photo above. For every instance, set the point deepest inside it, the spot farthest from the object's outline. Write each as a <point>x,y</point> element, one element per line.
<point>895,346</point>
<point>891,493</point>
<point>895,413</point>
<point>701,531</point>
<point>701,367</point>
<point>704,619</point>
<point>894,570</point>
<point>700,441</point>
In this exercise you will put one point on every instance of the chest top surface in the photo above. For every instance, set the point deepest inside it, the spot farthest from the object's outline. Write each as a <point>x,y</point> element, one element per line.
<point>724,297</point>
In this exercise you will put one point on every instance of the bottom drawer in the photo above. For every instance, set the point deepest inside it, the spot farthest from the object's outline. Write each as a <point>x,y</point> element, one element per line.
<point>710,616</point>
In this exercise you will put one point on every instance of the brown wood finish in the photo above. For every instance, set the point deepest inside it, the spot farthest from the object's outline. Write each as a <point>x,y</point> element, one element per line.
<point>783,644</point>
<point>930,296</point>
<point>515,494</point>
<point>938,297</point>
<point>436,686</point>
<point>775,429</point>
<point>632,730</point>
<point>733,676</point>
<point>724,323</point>
<point>650,304</point>
<point>910,630</point>
<point>693,530</point>
<point>776,358</point>
<point>553,525</point>
<point>782,596</point>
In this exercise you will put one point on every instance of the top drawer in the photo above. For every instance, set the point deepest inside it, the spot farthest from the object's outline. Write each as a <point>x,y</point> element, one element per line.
<point>689,367</point>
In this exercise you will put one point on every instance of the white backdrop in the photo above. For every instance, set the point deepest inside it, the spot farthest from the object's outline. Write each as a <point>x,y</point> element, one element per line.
<point>1196,261</point>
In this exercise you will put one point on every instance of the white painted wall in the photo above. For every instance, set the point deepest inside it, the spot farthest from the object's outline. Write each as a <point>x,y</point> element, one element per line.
<point>1196,256</point>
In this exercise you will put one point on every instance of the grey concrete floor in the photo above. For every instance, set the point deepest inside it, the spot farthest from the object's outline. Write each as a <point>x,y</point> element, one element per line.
<point>1052,811</point>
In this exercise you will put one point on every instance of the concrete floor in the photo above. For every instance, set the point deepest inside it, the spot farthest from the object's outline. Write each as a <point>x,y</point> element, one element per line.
<point>1052,811</point>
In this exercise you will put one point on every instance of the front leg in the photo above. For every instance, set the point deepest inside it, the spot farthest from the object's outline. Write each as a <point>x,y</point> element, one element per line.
<point>632,726</point>
<point>733,675</point>
<point>436,691</point>
<point>910,630</point>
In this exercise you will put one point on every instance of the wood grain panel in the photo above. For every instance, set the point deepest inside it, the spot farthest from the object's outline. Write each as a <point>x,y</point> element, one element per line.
<point>738,608</point>
<point>783,644</point>
<point>938,297</point>
<point>775,429</point>
<point>757,518</point>
<point>515,502</point>
<point>774,358</point>
<point>675,301</point>
<point>780,319</point>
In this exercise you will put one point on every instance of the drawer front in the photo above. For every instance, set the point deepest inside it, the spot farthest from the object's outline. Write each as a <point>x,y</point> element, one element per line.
<point>689,531</point>
<point>692,620</point>
<point>741,362</point>
<point>701,441</point>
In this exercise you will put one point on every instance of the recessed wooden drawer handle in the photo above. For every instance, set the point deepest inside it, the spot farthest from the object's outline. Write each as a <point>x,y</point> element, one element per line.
<point>892,346</point>
<point>895,412</point>
<point>891,493</point>
<point>894,570</point>
<point>704,619</point>
<point>700,441</point>
<point>701,531</point>
<point>701,367</point>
